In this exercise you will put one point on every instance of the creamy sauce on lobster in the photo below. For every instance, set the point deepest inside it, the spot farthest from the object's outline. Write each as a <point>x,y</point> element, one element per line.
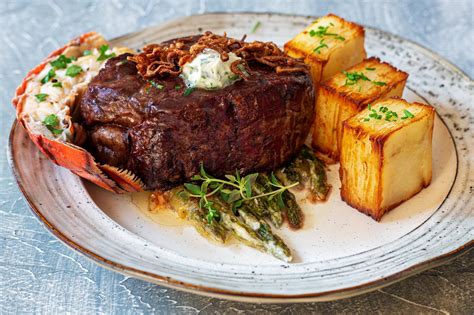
<point>57,94</point>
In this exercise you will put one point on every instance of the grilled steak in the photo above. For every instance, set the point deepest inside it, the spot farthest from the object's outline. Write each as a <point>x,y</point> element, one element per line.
<point>162,135</point>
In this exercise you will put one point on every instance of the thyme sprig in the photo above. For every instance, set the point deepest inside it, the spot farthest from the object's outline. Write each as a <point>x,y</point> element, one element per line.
<point>234,189</point>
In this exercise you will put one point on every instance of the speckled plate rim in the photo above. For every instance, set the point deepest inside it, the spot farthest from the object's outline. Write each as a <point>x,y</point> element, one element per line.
<point>246,296</point>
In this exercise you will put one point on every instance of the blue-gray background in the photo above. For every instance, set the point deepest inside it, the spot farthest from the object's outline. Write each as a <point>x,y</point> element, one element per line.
<point>40,275</point>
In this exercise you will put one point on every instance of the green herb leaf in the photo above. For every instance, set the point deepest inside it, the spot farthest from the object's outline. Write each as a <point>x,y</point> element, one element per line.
<point>73,71</point>
<point>230,177</point>
<point>256,27</point>
<point>281,203</point>
<point>103,53</point>
<point>236,205</point>
<point>234,196</point>
<point>353,77</point>
<point>407,114</point>
<point>370,69</point>
<point>193,189</point>
<point>61,62</point>
<point>87,53</point>
<point>188,91</point>
<point>57,84</point>
<point>321,46</point>
<point>51,74</point>
<point>212,213</point>
<point>183,194</point>
<point>52,123</point>
<point>41,97</point>
<point>51,120</point>
<point>156,85</point>
<point>379,83</point>
<point>177,87</point>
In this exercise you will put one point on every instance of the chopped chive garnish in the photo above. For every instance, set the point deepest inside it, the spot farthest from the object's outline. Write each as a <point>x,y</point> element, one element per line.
<point>388,115</point>
<point>407,114</point>
<point>321,46</point>
<point>370,69</point>
<point>379,83</point>
<point>353,77</point>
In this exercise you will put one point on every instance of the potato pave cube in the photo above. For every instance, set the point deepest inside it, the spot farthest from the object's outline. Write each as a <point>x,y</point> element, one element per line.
<point>386,155</point>
<point>330,45</point>
<point>347,93</point>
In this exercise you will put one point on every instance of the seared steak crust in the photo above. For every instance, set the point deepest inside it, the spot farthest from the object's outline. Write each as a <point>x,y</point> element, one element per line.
<point>162,135</point>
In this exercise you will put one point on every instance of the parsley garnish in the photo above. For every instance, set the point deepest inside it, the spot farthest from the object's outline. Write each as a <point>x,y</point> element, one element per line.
<point>255,27</point>
<point>73,71</point>
<point>379,83</point>
<point>177,87</point>
<point>41,97</point>
<point>61,62</point>
<point>370,69</point>
<point>103,53</point>
<point>52,122</point>
<point>188,91</point>
<point>407,114</point>
<point>58,84</point>
<point>87,53</point>
<point>51,74</point>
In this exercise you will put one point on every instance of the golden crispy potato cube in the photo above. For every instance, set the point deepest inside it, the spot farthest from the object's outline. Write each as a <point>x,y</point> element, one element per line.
<point>330,45</point>
<point>340,98</point>
<point>385,157</point>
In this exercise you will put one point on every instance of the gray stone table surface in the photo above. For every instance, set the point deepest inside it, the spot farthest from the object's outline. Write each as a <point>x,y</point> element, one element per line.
<point>40,275</point>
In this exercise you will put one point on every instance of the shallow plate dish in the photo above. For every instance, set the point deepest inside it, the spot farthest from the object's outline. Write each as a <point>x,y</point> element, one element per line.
<point>339,252</point>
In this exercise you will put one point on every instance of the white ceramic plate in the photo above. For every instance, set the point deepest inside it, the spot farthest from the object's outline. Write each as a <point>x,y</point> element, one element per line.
<point>339,252</point>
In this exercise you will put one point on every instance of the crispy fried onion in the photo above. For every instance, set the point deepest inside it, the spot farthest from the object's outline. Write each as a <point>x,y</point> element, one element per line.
<point>168,59</point>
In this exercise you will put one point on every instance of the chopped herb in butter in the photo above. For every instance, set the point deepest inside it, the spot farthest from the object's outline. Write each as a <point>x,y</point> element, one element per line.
<point>208,71</point>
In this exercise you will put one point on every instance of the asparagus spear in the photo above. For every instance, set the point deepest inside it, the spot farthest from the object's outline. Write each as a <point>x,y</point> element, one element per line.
<point>318,185</point>
<point>307,169</point>
<point>271,242</point>
<point>181,203</point>
<point>252,231</point>
<point>293,210</point>
<point>274,209</point>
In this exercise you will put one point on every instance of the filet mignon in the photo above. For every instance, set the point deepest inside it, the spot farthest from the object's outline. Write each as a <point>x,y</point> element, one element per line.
<point>162,135</point>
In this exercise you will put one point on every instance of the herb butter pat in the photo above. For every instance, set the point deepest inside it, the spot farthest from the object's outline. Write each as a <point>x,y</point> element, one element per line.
<point>208,71</point>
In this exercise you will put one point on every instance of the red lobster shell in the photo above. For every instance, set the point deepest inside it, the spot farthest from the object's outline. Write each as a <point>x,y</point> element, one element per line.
<point>62,151</point>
